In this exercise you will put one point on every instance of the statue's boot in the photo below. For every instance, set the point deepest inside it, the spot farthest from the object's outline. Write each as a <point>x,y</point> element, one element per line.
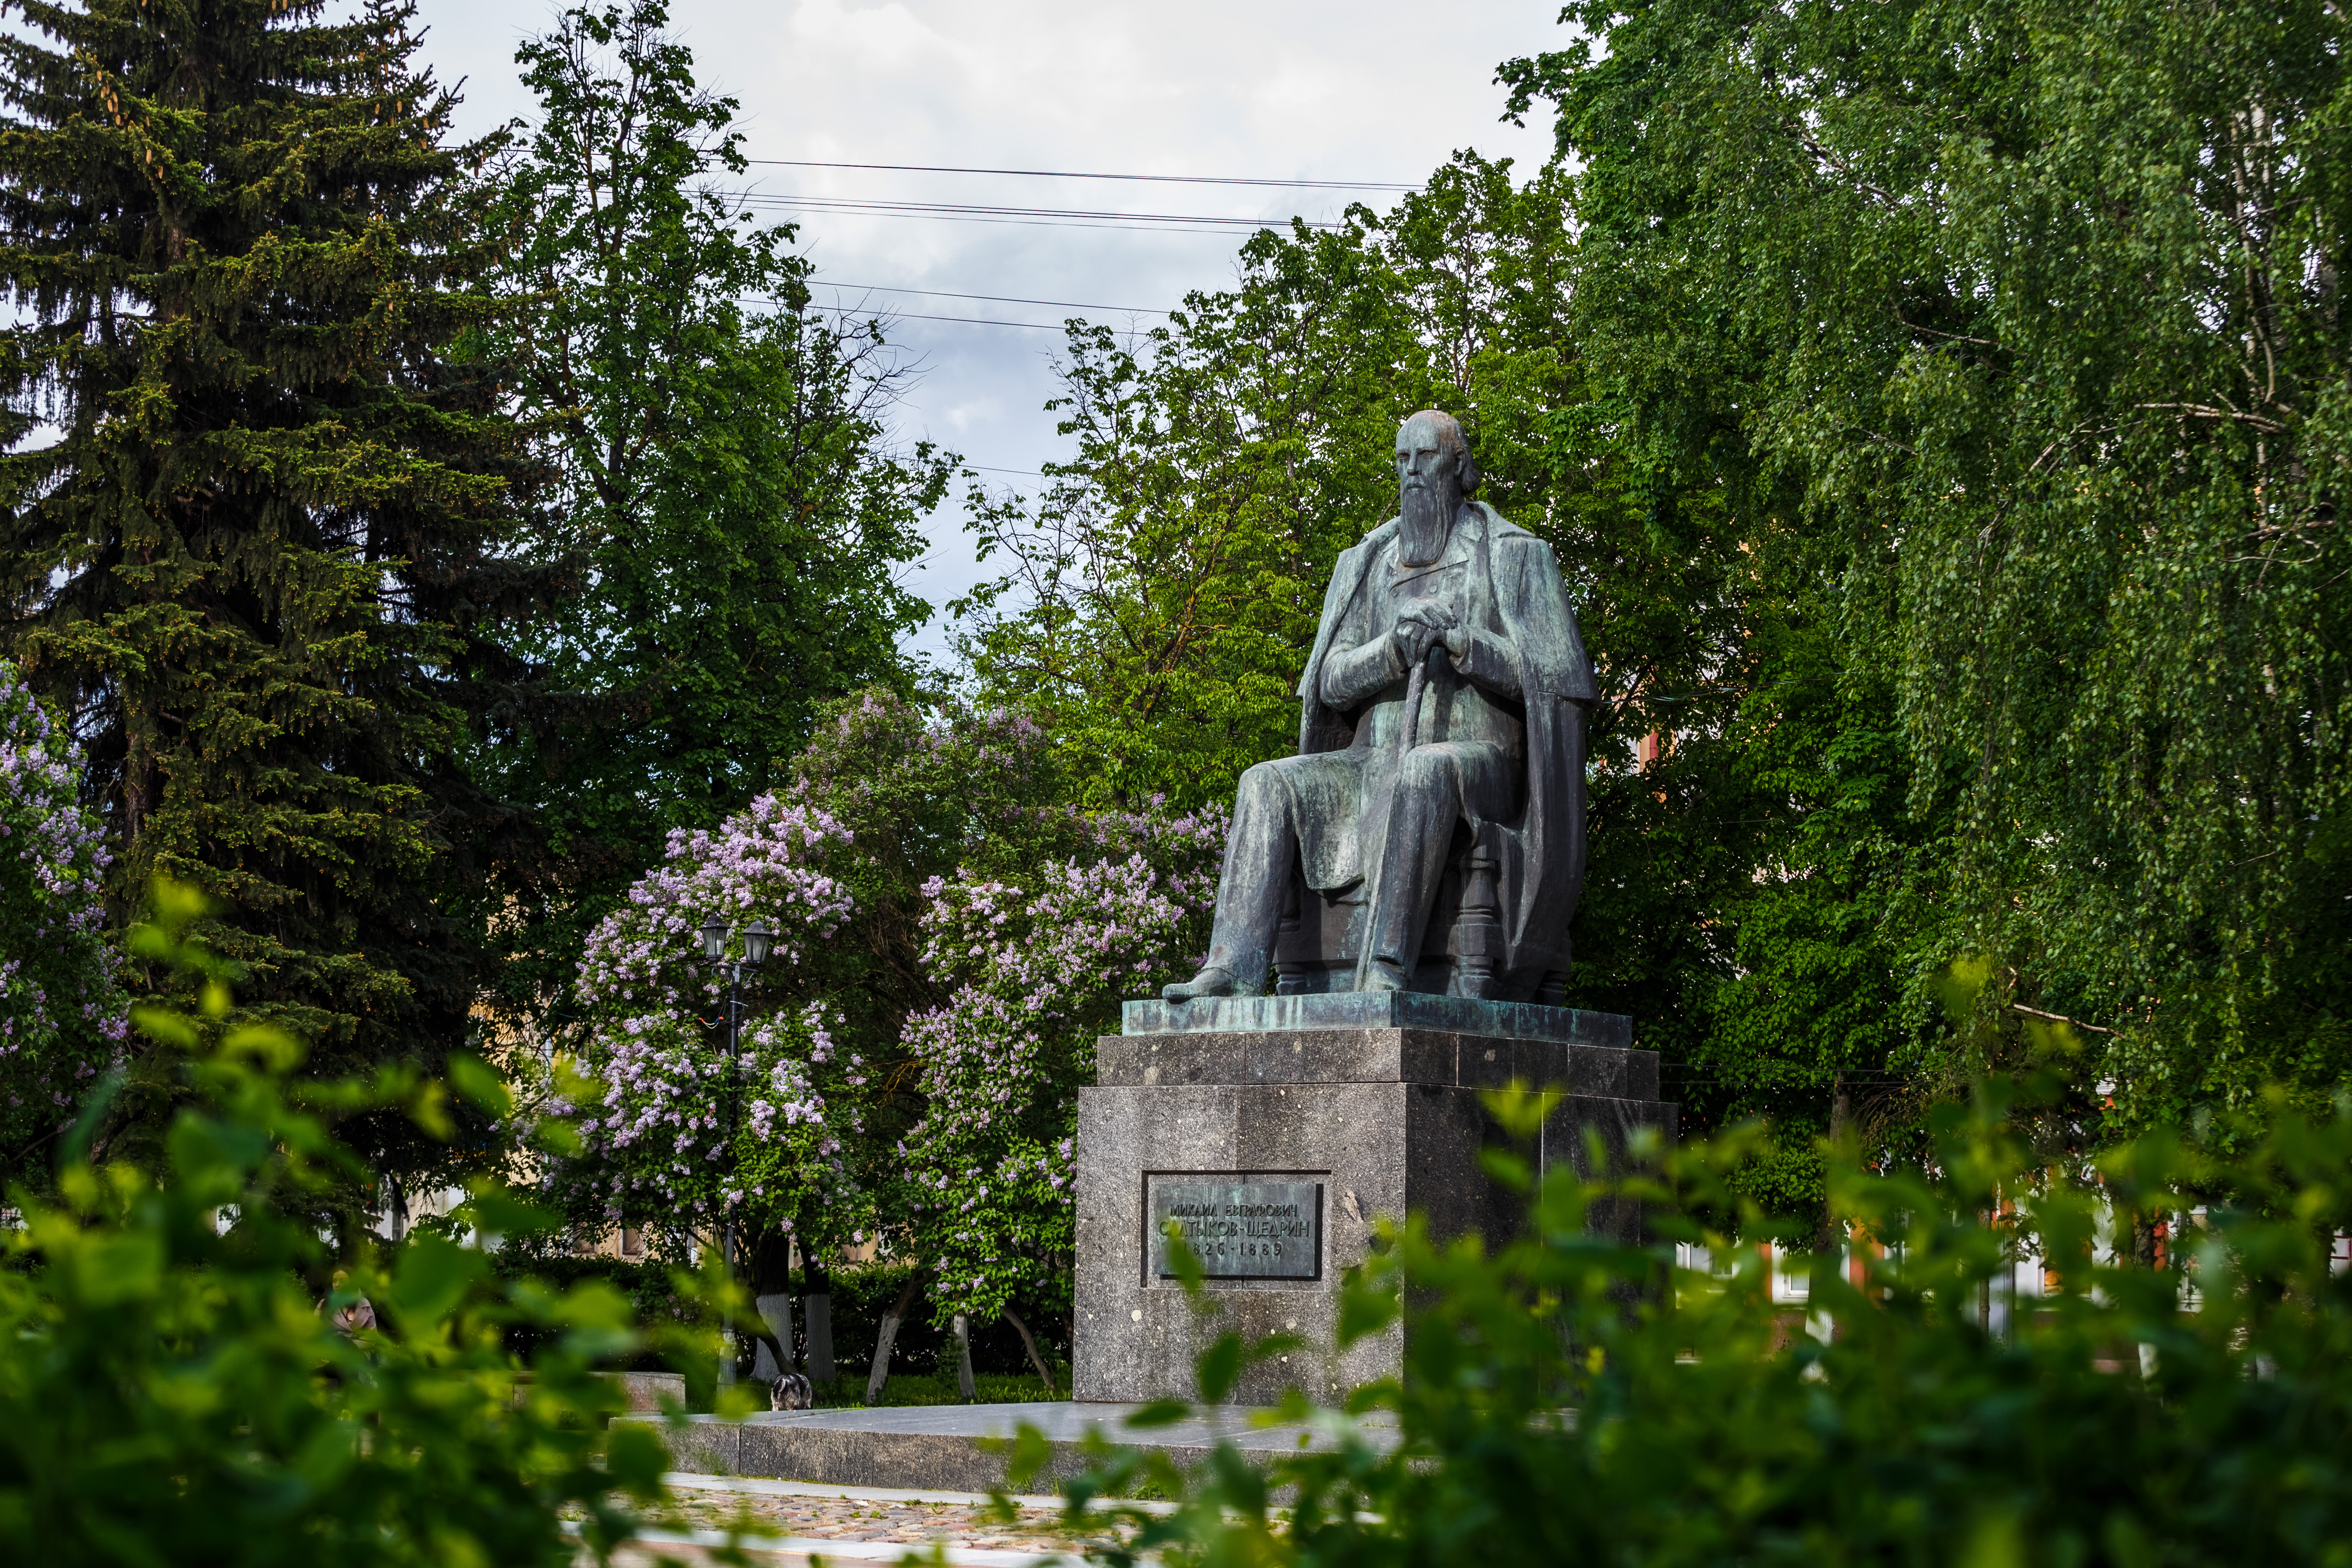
<point>1210,982</point>
<point>1383,975</point>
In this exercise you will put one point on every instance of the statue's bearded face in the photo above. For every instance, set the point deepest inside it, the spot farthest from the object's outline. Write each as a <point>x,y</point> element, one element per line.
<point>1429,491</point>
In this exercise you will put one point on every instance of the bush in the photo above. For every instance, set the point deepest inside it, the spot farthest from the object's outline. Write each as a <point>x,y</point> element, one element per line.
<point>862,1294</point>
<point>658,1294</point>
<point>63,1015</point>
<point>1571,1398</point>
<point>171,1389</point>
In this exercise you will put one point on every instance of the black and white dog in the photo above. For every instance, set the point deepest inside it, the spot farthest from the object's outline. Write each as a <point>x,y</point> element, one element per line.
<point>790,1392</point>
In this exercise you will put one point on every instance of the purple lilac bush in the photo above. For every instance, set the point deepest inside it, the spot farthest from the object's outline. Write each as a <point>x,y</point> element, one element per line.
<point>653,1108</point>
<point>64,1017</point>
<point>1032,976</point>
<point>949,1130</point>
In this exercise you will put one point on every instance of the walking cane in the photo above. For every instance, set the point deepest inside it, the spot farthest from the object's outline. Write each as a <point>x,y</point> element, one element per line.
<point>1413,686</point>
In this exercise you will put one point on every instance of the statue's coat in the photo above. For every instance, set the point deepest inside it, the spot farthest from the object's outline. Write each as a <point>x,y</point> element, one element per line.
<point>1543,851</point>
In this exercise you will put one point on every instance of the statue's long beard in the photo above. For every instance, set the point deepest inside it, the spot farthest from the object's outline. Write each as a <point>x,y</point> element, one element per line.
<point>1423,518</point>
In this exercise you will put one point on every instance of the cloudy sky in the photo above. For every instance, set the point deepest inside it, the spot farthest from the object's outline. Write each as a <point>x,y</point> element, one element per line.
<point>1377,91</point>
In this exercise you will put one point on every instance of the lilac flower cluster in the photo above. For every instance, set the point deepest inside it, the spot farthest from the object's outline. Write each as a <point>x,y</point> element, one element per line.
<point>761,863</point>
<point>64,1017</point>
<point>1026,966</point>
<point>656,1092</point>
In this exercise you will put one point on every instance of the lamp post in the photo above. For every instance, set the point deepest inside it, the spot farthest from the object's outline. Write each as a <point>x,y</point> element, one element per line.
<point>756,941</point>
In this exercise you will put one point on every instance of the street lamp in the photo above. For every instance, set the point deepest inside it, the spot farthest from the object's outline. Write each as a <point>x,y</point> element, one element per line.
<point>758,942</point>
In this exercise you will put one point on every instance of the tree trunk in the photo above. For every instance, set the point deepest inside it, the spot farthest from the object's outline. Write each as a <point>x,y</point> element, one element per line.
<point>816,1312</point>
<point>1035,1359</point>
<point>964,1385</point>
<point>1831,1238</point>
<point>880,1377</point>
<point>768,1271</point>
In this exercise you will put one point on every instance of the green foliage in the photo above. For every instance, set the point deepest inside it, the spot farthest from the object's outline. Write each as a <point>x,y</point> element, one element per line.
<point>954,934</point>
<point>923,1354</point>
<point>182,1381</point>
<point>924,790</point>
<point>898,796</point>
<point>1572,1398</point>
<point>725,481</point>
<point>1034,973</point>
<point>62,1012</point>
<point>253,518</point>
<point>2028,317</point>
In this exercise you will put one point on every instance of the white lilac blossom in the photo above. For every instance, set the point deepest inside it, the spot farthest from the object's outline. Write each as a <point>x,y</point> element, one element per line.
<point>64,1018</point>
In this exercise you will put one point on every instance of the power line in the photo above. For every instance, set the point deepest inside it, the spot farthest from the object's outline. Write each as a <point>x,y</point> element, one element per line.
<point>976,321</point>
<point>994,299</point>
<point>1064,175</point>
<point>968,321</point>
<point>1047,218</point>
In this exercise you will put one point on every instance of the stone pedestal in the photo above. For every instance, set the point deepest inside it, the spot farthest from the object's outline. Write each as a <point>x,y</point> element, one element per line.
<point>1275,1128</point>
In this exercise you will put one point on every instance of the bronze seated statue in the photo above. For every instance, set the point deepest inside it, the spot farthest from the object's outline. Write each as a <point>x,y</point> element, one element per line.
<point>1429,834</point>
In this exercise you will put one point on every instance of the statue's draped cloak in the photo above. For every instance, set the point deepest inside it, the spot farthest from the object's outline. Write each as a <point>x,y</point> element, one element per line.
<point>1516,584</point>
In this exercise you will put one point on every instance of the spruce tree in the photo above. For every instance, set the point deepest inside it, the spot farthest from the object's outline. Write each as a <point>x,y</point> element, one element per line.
<point>256,510</point>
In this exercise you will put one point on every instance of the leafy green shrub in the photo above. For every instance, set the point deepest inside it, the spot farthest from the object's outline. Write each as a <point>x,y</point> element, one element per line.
<point>62,1009</point>
<point>861,1295</point>
<point>172,1391</point>
<point>662,1302</point>
<point>1572,1398</point>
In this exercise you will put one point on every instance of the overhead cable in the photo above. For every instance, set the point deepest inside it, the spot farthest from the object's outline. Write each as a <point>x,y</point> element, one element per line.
<point>992,298</point>
<point>1065,174</point>
<point>968,321</point>
<point>977,321</point>
<point>1051,217</point>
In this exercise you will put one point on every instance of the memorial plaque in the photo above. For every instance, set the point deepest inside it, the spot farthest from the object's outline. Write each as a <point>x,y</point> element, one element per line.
<point>1240,1229</point>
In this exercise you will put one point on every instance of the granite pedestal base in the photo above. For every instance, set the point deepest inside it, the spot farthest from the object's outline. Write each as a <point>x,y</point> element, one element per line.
<point>958,1447</point>
<point>1277,1129</point>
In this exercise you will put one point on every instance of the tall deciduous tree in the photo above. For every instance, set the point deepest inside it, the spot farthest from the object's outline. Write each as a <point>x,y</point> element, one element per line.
<point>2035,311</point>
<point>724,466</point>
<point>254,516</point>
<point>1159,594</point>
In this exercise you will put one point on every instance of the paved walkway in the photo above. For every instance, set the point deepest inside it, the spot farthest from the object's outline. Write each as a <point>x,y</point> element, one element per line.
<point>855,1524</point>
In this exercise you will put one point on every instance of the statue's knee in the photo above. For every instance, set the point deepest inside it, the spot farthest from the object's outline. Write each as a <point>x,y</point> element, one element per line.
<point>1426,768</point>
<point>1261,783</point>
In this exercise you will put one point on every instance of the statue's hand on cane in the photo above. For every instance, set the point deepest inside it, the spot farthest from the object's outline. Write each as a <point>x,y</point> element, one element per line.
<point>1419,631</point>
<point>1423,626</point>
